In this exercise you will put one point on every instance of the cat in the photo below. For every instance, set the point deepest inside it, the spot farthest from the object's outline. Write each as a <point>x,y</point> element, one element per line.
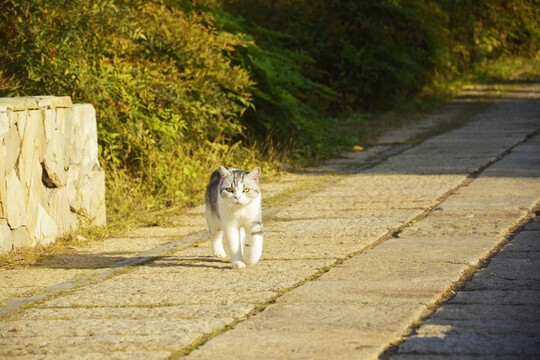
<point>233,210</point>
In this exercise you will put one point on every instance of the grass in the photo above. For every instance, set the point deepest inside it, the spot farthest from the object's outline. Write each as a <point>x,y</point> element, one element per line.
<point>507,68</point>
<point>28,256</point>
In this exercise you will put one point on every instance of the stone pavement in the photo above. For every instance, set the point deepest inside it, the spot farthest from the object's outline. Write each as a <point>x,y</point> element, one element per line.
<point>496,315</point>
<point>357,253</point>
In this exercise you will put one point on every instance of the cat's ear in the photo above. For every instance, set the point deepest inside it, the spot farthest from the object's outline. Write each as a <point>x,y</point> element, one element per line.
<point>224,172</point>
<point>255,174</point>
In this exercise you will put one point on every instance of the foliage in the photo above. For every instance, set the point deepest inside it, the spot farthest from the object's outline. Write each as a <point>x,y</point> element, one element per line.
<point>381,52</point>
<point>288,105</point>
<point>182,86</point>
<point>168,100</point>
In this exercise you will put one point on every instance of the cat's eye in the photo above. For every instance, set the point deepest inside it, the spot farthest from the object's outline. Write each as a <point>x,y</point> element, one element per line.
<point>229,190</point>
<point>247,189</point>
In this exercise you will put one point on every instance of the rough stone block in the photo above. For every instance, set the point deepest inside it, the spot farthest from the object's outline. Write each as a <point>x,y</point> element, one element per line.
<point>29,149</point>
<point>3,189</point>
<point>72,184</point>
<point>60,210</point>
<point>98,209</point>
<point>54,165</point>
<point>59,120</point>
<point>84,195</point>
<point>31,220</point>
<point>49,122</point>
<point>20,121</point>
<point>13,117</point>
<point>4,124</point>
<point>20,237</point>
<point>62,102</point>
<point>42,228</point>
<point>87,194</point>
<point>13,146</point>
<point>83,147</point>
<point>6,238</point>
<point>49,169</point>
<point>36,189</point>
<point>16,207</point>
<point>18,104</point>
<point>78,138</point>
<point>35,102</point>
<point>35,132</point>
<point>63,127</point>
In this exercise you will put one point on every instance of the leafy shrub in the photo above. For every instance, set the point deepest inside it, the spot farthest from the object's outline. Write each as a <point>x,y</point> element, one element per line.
<point>181,86</point>
<point>490,29</point>
<point>167,99</point>
<point>288,106</point>
<point>378,53</point>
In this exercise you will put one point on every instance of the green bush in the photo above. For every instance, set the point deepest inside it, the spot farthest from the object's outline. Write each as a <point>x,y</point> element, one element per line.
<point>490,29</point>
<point>377,53</point>
<point>167,99</point>
<point>182,86</point>
<point>288,106</point>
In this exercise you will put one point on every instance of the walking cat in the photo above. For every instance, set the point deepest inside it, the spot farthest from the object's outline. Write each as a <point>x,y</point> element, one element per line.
<point>233,209</point>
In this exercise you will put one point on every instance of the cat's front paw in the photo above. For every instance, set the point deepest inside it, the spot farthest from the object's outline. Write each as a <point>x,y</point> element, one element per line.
<point>238,265</point>
<point>220,254</point>
<point>251,261</point>
<point>252,256</point>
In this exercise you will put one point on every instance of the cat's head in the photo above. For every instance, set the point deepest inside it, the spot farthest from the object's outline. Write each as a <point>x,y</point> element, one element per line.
<point>238,186</point>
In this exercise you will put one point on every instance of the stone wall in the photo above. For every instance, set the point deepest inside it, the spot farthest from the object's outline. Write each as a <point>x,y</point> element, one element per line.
<point>50,177</point>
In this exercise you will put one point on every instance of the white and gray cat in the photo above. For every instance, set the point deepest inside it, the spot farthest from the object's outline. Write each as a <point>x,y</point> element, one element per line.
<point>233,209</point>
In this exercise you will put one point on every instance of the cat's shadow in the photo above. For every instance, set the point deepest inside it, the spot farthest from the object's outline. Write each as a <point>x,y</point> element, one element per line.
<point>190,262</point>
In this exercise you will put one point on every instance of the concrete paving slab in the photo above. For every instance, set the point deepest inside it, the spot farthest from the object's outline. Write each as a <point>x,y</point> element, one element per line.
<point>362,318</point>
<point>411,185</point>
<point>171,282</point>
<point>528,242</point>
<point>309,210</point>
<point>446,225</point>
<point>345,292</point>
<point>379,275</point>
<point>198,311</point>
<point>150,355</point>
<point>491,296</point>
<point>470,344</point>
<point>517,164</point>
<point>471,325</point>
<point>465,250</point>
<point>335,251</point>
<point>507,275</point>
<point>533,225</point>
<point>332,230</point>
<point>495,312</point>
<point>286,344</point>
